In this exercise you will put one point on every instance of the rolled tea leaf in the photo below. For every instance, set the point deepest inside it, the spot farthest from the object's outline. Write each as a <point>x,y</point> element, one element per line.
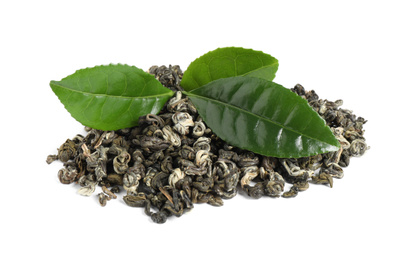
<point>229,62</point>
<point>111,97</point>
<point>263,117</point>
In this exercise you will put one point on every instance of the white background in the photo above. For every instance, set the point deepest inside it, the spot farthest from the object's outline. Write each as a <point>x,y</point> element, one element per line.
<point>364,52</point>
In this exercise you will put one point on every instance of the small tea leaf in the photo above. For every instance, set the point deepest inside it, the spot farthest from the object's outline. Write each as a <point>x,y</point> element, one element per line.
<point>110,97</point>
<point>229,62</point>
<point>263,117</point>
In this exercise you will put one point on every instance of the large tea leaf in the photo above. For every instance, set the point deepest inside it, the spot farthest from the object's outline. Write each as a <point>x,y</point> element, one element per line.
<point>110,97</point>
<point>263,117</point>
<point>229,62</point>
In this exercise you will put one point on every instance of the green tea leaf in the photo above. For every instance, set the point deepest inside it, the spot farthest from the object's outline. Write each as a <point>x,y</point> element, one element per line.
<point>110,97</point>
<point>229,62</point>
<point>263,117</point>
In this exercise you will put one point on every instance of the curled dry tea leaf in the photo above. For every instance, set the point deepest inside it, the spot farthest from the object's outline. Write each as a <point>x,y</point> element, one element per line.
<point>110,97</point>
<point>229,62</point>
<point>263,117</point>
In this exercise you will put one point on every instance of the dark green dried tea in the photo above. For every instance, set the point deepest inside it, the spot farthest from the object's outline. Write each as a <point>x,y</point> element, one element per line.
<point>170,161</point>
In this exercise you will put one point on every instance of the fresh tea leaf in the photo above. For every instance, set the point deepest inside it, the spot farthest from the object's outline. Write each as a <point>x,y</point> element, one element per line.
<point>229,62</point>
<point>263,117</point>
<point>110,97</point>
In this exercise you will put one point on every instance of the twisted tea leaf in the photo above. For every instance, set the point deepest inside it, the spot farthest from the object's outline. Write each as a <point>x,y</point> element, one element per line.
<point>111,97</point>
<point>229,62</point>
<point>263,117</point>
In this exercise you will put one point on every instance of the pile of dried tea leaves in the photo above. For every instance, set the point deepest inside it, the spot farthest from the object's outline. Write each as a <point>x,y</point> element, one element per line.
<point>172,160</point>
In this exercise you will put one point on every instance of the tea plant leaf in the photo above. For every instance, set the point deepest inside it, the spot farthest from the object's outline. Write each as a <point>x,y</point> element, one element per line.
<point>229,62</point>
<point>110,97</point>
<point>263,117</point>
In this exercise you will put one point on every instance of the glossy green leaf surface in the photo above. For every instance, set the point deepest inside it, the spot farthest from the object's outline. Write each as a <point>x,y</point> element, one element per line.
<point>229,62</point>
<point>110,97</point>
<point>263,117</point>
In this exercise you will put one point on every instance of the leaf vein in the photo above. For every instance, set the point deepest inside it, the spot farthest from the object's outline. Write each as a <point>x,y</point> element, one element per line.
<point>102,108</point>
<point>115,96</point>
